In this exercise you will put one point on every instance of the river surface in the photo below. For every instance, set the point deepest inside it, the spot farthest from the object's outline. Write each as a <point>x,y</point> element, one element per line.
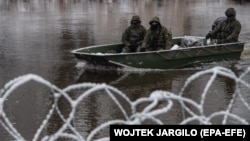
<point>36,37</point>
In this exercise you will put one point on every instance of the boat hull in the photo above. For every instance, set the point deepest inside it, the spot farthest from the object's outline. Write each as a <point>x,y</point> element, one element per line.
<point>108,55</point>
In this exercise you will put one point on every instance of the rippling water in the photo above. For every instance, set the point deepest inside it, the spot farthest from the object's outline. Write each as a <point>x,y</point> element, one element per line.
<point>36,36</point>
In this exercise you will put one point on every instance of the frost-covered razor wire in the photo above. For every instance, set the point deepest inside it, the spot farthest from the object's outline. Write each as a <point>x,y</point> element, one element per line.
<point>150,112</point>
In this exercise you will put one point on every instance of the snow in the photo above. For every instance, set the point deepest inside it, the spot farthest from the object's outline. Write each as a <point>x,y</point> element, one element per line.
<point>150,112</point>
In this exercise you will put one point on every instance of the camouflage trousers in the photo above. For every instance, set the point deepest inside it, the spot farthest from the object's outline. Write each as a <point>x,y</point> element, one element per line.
<point>130,48</point>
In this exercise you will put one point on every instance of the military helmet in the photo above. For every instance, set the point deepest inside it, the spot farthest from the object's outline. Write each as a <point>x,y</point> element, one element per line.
<point>230,12</point>
<point>154,19</point>
<point>136,18</point>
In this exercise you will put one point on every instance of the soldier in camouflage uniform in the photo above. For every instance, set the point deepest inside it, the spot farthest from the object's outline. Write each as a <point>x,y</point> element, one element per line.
<point>228,29</point>
<point>157,37</point>
<point>133,36</point>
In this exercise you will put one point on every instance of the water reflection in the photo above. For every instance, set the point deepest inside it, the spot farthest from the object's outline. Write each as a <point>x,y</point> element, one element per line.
<point>140,85</point>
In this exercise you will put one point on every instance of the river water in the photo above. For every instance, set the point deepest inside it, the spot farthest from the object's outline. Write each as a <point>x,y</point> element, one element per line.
<point>36,37</point>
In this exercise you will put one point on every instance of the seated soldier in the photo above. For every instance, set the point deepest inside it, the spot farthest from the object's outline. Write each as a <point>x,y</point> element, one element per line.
<point>133,36</point>
<point>228,30</point>
<point>158,37</point>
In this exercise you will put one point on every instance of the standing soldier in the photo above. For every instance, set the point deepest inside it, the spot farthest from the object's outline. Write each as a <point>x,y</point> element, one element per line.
<point>133,36</point>
<point>228,30</point>
<point>157,37</point>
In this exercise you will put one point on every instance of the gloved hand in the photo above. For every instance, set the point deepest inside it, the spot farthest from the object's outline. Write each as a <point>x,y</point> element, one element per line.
<point>142,49</point>
<point>127,44</point>
<point>133,46</point>
<point>208,36</point>
<point>225,41</point>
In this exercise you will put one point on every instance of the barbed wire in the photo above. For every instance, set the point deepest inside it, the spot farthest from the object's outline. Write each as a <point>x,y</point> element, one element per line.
<point>149,112</point>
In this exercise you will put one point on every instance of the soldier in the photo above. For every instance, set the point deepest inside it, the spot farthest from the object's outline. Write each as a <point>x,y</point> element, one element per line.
<point>157,37</point>
<point>133,36</point>
<point>228,30</point>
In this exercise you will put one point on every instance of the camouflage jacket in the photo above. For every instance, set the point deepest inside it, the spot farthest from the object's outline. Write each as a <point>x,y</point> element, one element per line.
<point>133,35</point>
<point>157,39</point>
<point>228,30</point>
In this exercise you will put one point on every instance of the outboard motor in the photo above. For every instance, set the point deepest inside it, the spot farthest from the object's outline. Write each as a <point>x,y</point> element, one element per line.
<point>218,21</point>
